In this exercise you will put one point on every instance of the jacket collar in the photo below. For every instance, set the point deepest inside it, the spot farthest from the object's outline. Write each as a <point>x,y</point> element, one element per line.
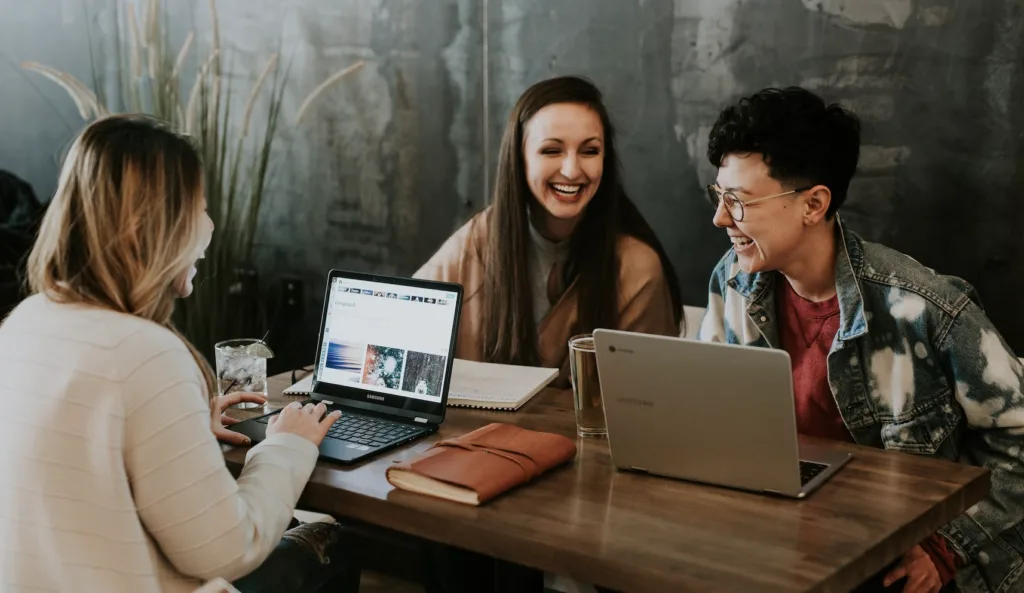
<point>849,262</point>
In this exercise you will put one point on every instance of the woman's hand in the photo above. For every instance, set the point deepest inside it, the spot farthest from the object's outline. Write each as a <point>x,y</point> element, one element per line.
<point>306,421</point>
<point>218,419</point>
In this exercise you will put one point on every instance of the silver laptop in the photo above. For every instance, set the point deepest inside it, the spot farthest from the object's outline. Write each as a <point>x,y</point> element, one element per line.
<point>713,413</point>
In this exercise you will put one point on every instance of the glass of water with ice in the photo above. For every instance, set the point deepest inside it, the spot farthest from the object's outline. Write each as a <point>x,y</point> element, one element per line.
<point>242,366</point>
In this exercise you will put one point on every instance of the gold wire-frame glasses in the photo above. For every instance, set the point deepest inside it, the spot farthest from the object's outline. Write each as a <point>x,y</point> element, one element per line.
<point>735,206</point>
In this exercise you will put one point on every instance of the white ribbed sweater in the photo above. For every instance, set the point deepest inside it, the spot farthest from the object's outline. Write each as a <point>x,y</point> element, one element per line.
<point>110,478</point>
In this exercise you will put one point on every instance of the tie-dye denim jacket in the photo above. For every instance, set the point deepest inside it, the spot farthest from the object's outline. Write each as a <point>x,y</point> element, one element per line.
<point>916,366</point>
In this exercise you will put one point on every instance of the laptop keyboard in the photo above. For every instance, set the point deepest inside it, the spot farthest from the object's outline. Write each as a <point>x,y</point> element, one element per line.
<point>365,430</point>
<point>810,470</point>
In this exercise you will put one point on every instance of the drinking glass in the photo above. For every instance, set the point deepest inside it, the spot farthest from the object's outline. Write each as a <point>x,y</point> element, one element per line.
<point>586,387</point>
<point>241,366</point>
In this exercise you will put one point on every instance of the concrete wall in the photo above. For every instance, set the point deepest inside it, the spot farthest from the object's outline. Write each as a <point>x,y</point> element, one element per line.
<point>400,154</point>
<point>37,120</point>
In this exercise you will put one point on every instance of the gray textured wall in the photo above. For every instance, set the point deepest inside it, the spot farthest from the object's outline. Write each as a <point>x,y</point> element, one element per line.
<point>37,119</point>
<point>398,156</point>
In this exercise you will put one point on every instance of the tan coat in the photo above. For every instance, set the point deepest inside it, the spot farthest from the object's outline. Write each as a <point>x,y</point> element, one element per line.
<point>645,304</point>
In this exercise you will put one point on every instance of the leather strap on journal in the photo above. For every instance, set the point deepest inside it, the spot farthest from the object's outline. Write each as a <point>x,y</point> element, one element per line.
<point>525,462</point>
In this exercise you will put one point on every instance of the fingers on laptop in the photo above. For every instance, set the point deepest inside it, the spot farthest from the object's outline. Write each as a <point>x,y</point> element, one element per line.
<point>330,419</point>
<point>317,410</point>
<point>273,419</point>
<point>231,437</point>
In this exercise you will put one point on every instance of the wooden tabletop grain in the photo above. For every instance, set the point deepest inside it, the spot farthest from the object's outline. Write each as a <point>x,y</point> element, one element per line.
<point>635,532</point>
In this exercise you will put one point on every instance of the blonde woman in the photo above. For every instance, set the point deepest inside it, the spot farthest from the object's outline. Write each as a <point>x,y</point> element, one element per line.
<point>111,478</point>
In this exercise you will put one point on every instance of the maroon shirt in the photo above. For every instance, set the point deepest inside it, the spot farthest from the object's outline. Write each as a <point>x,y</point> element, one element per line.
<point>806,330</point>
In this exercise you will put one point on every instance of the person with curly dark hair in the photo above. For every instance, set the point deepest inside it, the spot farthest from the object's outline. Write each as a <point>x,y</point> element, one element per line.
<point>885,352</point>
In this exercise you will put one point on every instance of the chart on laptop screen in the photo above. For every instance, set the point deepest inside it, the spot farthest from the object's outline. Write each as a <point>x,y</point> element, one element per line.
<point>387,338</point>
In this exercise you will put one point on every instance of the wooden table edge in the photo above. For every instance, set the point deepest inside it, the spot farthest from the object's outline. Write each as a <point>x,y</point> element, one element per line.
<point>406,518</point>
<point>892,548</point>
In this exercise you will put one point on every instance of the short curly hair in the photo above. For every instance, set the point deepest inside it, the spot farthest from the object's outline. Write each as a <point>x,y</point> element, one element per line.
<point>802,139</point>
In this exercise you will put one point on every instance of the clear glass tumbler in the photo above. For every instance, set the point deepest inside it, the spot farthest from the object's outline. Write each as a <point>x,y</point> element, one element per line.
<point>241,366</point>
<point>586,387</point>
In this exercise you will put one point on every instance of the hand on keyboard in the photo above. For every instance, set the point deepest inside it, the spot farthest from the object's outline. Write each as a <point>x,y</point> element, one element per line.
<point>306,421</point>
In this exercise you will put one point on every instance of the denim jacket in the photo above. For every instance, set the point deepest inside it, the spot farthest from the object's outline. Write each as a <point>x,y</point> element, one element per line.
<point>916,366</point>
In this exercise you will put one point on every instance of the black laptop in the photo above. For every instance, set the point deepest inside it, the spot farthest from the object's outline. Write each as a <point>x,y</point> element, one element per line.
<point>384,358</point>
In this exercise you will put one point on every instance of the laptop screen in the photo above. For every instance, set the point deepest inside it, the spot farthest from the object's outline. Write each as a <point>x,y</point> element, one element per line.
<point>390,341</point>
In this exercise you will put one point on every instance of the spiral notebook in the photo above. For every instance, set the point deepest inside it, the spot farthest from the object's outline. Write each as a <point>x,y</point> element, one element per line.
<point>481,384</point>
<point>496,386</point>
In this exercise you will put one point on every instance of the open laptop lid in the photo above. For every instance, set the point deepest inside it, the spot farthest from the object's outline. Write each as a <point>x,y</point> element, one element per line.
<point>710,412</point>
<point>387,344</point>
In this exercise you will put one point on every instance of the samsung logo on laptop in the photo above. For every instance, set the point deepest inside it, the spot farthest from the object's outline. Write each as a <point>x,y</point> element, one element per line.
<point>634,401</point>
<point>379,398</point>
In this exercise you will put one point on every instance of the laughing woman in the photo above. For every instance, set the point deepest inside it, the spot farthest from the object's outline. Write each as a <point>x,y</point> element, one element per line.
<point>562,250</point>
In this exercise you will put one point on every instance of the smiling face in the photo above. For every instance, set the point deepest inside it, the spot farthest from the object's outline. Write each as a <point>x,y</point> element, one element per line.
<point>771,233</point>
<point>563,149</point>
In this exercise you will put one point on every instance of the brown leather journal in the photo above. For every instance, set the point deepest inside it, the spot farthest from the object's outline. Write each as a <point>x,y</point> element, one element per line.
<point>482,464</point>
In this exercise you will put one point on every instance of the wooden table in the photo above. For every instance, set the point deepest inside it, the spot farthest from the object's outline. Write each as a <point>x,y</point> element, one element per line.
<point>635,532</point>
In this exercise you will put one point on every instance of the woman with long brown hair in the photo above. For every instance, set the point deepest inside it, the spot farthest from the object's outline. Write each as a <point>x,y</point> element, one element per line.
<point>111,477</point>
<point>562,249</point>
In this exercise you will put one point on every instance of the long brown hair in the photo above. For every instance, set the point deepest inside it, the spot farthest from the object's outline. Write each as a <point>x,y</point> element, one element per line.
<point>123,225</point>
<point>510,335</point>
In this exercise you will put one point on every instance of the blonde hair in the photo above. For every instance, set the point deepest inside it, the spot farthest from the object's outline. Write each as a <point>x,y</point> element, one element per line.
<point>123,225</point>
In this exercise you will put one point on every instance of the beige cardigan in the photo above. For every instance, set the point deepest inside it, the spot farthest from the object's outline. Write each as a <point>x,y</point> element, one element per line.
<point>110,478</point>
<point>645,304</point>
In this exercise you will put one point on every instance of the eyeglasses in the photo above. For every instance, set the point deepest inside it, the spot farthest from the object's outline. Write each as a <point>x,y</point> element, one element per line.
<point>734,206</point>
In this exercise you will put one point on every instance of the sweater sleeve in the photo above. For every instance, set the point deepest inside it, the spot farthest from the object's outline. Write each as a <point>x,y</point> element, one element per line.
<point>206,523</point>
